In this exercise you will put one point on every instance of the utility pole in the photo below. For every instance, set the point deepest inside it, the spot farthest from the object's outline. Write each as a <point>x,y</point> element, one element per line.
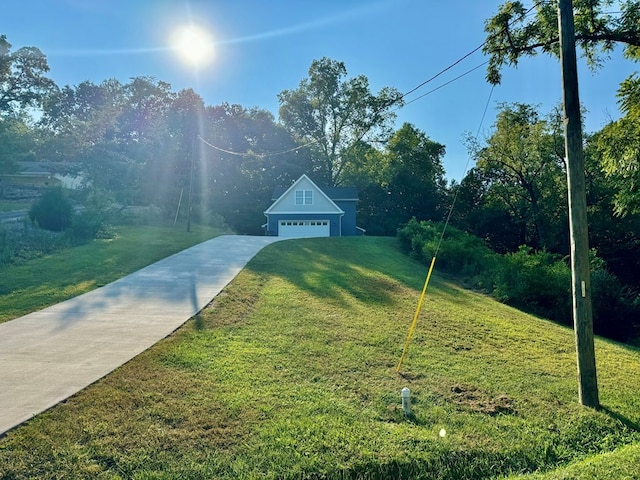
<point>580,269</point>
<point>191,168</point>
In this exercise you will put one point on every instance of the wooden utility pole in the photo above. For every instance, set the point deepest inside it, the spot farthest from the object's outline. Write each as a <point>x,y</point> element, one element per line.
<point>580,269</point>
<point>191,168</point>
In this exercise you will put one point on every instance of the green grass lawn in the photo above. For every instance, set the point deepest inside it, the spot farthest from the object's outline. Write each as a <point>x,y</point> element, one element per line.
<point>10,206</point>
<point>291,373</point>
<point>51,279</point>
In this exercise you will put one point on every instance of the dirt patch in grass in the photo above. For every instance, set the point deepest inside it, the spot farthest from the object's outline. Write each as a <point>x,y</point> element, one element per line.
<point>474,399</point>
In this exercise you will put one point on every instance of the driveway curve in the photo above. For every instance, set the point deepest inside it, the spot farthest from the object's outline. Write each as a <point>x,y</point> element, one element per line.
<point>49,355</point>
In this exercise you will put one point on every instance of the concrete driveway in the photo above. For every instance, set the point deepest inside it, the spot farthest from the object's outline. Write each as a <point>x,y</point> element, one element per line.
<point>47,356</point>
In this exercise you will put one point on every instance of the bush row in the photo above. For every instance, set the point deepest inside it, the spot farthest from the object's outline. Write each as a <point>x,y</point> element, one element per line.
<point>537,282</point>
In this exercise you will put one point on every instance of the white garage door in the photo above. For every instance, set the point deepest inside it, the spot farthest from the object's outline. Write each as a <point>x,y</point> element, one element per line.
<point>303,228</point>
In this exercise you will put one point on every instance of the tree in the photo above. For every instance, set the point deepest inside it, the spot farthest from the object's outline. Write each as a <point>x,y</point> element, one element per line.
<point>114,133</point>
<point>248,155</point>
<point>619,146</point>
<point>523,163</point>
<point>615,237</point>
<point>403,180</point>
<point>481,211</point>
<point>513,32</point>
<point>178,120</point>
<point>594,32</point>
<point>332,114</point>
<point>80,117</point>
<point>16,141</point>
<point>22,78</point>
<point>415,176</point>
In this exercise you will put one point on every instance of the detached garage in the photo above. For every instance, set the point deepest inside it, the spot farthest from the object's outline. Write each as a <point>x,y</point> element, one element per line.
<point>306,210</point>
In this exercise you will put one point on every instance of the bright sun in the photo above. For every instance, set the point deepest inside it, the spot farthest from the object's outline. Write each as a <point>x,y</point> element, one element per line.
<point>193,44</point>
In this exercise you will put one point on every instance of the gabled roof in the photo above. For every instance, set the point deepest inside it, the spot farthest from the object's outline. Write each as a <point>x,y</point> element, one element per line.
<point>303,179</point>
<point>334,193</point>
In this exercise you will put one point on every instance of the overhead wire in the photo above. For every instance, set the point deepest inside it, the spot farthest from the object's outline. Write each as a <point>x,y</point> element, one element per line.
<point>444,84</point>
<point>444,70</point>
<point>282,152</point>
<point>401,97</point>
<point>448,218</point>
<point>416,315</point>
<point>261,155</point>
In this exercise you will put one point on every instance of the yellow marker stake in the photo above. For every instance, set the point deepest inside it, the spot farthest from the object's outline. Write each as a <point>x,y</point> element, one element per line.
<point>415,317</point>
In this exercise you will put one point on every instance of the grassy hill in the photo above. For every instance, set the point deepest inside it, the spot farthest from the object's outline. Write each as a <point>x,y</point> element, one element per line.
<point>290,373</point>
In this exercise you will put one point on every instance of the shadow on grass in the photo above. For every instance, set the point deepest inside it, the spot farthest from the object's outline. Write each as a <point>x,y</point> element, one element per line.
<point>331,269</point>
<point>630,424</point>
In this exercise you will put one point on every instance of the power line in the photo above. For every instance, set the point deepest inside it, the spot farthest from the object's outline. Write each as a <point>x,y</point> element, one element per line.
<point>443,71</point>
<point>261,155</point>
<point>467,55</point>
<point>444,84</point>
<point>435,254</point>
<point>407,93</point>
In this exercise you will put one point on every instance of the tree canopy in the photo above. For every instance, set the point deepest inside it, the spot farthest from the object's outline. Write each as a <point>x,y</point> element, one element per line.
<point>619,145</point>
<point>523,161</point>
<point>331,114</point>
<point>22,78</point>
<point>516,31</point>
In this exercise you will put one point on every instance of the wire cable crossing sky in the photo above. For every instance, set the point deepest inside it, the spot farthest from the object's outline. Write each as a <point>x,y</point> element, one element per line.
<point>262,48</point>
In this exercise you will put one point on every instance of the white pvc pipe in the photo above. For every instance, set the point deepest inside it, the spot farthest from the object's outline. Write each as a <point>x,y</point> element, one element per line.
<point>405,394</point>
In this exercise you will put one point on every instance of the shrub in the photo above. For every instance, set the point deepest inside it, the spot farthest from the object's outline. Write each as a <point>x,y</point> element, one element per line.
<point>537,282</point>
<point>92,220</point>
<point>140,215</point>
<point>459,253</point>
<point>615,306</point>
<point>22,241</point>
<point>52,211</point>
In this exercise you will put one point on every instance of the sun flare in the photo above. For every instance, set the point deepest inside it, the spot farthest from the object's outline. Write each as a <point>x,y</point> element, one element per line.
<point>193,44</point>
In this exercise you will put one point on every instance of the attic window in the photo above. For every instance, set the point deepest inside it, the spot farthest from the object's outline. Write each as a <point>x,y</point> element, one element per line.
<point>304,197</point>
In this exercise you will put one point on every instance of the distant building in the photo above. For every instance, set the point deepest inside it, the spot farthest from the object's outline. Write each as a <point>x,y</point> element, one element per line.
<point>306,210</point>
<point>32,177</point>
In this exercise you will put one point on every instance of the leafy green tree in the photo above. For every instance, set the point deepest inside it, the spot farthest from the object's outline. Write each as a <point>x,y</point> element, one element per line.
<point>481,211</point>
<point>614,236</point>
<point>22,78</point>
<point>114,133</point>
<point>166,172</point>
<point>248,154</point>
<point>87,111</point>
<point>332,114</point>
<point>23,84</point>
<point>619,146</point>
<point>515,32</point>
<point>415,180</point>
<point>403,180</point>
<point>523,163</point>
<point>76,130</point>
<point>16,142</point>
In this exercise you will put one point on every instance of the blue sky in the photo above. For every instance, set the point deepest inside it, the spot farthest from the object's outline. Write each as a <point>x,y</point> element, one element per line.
<point>266,46</point>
